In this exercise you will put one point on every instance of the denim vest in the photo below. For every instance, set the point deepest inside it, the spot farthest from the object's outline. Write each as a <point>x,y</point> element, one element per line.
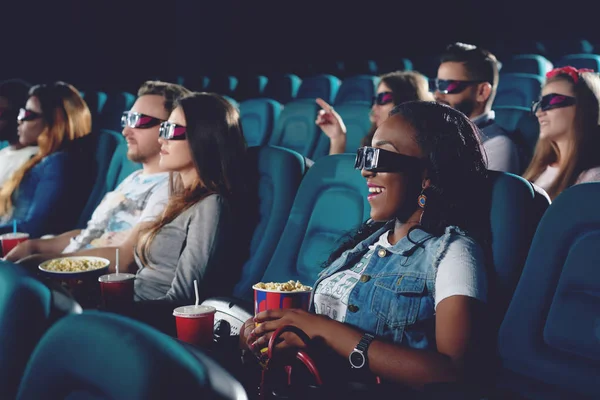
<point>394,298</point>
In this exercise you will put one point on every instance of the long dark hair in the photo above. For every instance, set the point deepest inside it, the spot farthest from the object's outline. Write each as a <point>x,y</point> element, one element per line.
<point>455,167</point>
<point>218,147</point>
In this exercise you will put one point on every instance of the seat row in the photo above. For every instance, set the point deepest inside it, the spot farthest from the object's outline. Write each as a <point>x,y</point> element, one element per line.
<point>107,109</point>
<point>547,343</point>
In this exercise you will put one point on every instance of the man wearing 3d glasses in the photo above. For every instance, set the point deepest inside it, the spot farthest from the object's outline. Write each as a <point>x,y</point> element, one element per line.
<point>139,198</point>
<point>467,80</point>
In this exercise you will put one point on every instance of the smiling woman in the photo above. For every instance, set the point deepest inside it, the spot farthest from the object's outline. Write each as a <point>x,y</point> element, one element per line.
<point>404,297</point>
<point>569,113</point>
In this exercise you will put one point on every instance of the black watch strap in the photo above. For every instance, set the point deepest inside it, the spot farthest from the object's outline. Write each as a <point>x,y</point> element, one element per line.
<point>365,341</point>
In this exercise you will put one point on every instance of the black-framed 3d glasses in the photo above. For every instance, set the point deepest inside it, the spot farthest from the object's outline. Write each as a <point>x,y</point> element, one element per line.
<point>28,115</point>
<point>380,160</point>
<point>171,131</point>
<point>552,101</point>
<point>452,86</point>
<point>133,119</point>
<point>383,98</point>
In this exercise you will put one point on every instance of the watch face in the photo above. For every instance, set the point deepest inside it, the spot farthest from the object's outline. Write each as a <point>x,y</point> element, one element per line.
<point>357,359</point>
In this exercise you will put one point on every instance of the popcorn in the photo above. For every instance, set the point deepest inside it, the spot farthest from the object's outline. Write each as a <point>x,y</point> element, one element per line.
<point>289,286</point>
<point>73,265</point>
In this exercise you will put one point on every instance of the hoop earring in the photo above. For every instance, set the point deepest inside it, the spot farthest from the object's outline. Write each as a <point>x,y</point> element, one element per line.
<point>422,202</point>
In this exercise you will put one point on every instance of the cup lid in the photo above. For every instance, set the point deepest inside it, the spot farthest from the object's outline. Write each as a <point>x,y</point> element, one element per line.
<point>14,235</point>
<point>116,277</point>
<point>193,311</point>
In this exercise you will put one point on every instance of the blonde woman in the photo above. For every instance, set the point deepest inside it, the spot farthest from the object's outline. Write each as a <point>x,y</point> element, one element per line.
<point>567,152</point>
<point>49,191</point>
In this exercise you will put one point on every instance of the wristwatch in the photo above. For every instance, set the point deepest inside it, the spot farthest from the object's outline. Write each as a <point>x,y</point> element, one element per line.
<point>358,357</point>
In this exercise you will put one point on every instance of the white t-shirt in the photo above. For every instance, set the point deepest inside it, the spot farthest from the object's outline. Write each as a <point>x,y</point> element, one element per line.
<point>459,272</point>
<point>11,160</point>
<point>139,198</point>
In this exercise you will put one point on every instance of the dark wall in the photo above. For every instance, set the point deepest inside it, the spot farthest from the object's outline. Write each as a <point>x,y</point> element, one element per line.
<point>114,43</point>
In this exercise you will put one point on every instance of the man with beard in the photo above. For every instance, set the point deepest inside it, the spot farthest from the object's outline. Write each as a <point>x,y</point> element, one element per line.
<point>140,198</point>
<point>467,80</point>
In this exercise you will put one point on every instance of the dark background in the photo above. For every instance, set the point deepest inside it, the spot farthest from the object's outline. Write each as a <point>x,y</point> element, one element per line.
<point>121,43</point>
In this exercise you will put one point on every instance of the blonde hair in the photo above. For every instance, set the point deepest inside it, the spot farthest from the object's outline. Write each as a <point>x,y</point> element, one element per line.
<point>170,91</point>
<point>67,118</point>
<point>582,154</point>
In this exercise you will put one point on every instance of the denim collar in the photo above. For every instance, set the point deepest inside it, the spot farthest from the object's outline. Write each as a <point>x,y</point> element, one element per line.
<point>403,247</point>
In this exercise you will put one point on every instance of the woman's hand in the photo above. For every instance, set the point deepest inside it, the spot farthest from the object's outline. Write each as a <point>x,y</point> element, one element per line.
<point>245,332</point>
<point>271,320</point>
<point>332,124</point>
<point>22,250</point>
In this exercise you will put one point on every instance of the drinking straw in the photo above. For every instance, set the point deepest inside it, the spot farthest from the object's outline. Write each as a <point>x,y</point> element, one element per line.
<point>196,290</point>
<point>117,262</point>
<point>14,226</point>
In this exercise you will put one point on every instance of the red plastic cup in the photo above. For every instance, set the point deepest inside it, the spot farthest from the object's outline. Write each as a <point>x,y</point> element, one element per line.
<point>265,299</point>
<point>195,324</point>
<point>11,240</point>
<point>117,291</point>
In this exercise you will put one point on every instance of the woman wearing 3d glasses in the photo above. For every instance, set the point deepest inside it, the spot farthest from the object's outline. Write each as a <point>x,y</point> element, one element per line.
<point>13,95</point>
<point>393,89</point>
<point>49,191</point>
<point>203,147</point>
<point>403,298</point>
<point>567,152</point>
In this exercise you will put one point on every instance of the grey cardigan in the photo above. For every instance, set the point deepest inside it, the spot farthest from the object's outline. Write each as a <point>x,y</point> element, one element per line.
<point>191,247</point>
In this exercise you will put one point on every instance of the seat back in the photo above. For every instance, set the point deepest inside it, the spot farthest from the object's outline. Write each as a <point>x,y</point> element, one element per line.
<point>224,85</point>
<point>517,89</point>
<point>296,128</point>
<point>283,88</point>
<point>323,86</point>
<point>259,117</point>
<point>27,308</point>
<point>116,103</point>
<point>104,355</point>
<point>359,88</point>
<point>280,173</point>
<point>528,64</point>
<point>95,102</point>
<point>524,128</point>
<point>250,87</point>
<point>516,209</point>
<point>106,144</point>
<point>331,202</point>
<point>591,61</point>
<point>558,48</point>
<point>549,338</point>
<point>232,101</point>
<point>356,119</point>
